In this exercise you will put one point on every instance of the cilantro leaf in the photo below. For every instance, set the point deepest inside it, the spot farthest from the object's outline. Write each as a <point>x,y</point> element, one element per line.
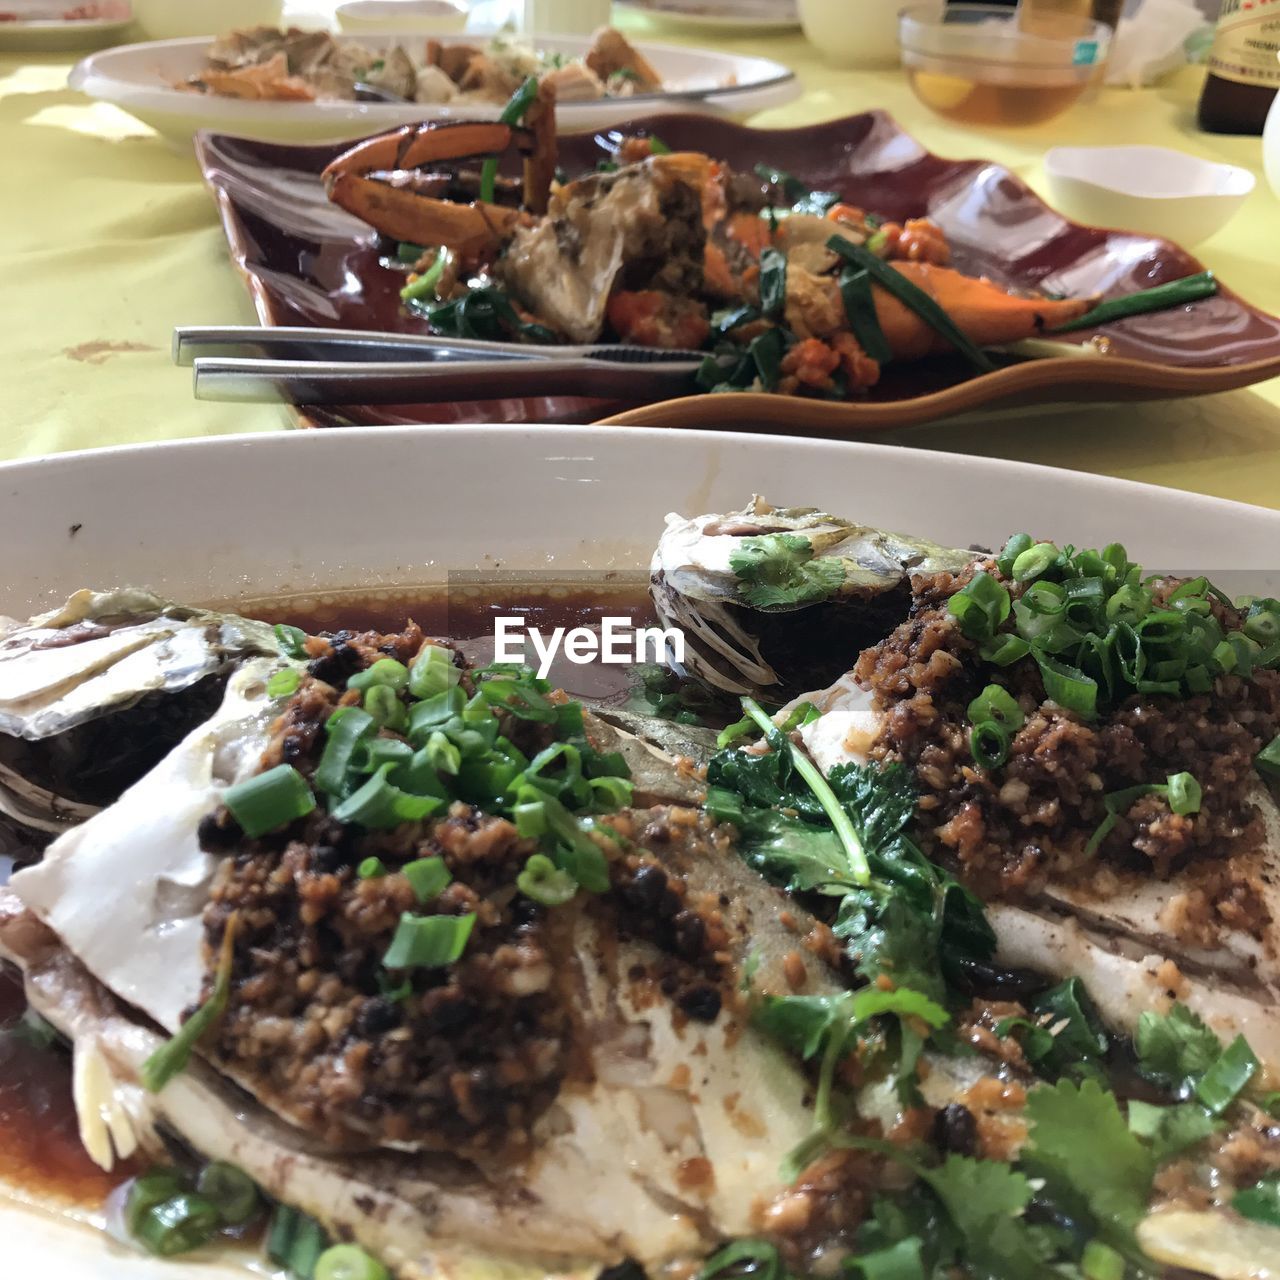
<point>1261,1202</point>
<point>900,1261</point>
<point>804,1024</point>
<point>1175,1049</point>
<point>779,571</point>
<point>1170,1130</point>
<point>1063,1034</point>
<point>1082,1147</point>
<point>985,1200</point>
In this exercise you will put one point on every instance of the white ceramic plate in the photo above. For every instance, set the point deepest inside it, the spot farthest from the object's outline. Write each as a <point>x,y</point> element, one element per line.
<point>58,35</point>
<point>724,16</point>
<point>206,521</point>
<point>140,78</point>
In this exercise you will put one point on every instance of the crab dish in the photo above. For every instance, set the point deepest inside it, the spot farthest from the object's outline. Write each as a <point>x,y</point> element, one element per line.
<point>788,290</point>
<point>311,66</point>
<point>923,924</point>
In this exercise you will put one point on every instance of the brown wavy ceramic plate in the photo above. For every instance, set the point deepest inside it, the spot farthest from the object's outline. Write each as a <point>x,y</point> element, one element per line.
<point>309,263</point>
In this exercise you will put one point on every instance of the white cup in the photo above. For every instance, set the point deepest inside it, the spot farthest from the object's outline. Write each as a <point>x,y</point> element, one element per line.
<point>565,17</point>
<point>172,19</point>
<point>1271,146</point>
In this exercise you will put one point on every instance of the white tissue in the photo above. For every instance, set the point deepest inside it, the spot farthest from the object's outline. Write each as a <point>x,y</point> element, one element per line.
<point>1152,42</point>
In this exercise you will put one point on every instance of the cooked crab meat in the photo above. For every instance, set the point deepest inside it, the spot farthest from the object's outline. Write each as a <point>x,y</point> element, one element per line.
<point>612,54</point>
<point>639,227</point>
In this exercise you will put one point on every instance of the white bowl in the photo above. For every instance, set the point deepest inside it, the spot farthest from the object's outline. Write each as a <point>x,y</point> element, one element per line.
<point>864,34</point>
<point>433,17</point>
<point>1271,146</point>
<point>173,19</point>
<point>1157,190</point>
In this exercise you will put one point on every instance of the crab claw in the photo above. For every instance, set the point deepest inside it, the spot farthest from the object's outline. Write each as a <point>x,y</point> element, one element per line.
<point>375,179</point>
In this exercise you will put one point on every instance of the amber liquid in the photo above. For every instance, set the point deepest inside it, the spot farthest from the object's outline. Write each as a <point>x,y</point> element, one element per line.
<point>982,102</point>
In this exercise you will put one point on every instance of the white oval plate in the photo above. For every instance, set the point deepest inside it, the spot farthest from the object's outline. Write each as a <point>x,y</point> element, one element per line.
<point>140,78</point>
<point>60,35</point>
<point>252,516</point>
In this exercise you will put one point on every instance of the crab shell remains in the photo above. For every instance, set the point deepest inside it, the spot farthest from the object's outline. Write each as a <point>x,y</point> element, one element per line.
<point>109,929</point>
<point>745,639</point>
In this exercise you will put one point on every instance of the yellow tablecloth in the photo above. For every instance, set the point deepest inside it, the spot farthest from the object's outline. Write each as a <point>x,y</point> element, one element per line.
<point>108,240</point>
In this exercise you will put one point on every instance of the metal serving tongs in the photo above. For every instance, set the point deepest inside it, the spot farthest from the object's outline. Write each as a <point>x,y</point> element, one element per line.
<point>349,366</point>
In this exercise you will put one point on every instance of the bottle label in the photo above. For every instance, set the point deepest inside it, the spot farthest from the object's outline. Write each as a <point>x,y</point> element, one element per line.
<point>1246,48</point>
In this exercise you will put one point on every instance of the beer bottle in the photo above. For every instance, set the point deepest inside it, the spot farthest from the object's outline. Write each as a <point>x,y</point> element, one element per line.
<point>1244,67</point>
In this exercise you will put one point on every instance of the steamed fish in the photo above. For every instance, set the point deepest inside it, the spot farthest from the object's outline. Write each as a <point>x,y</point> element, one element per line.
<point>774,600</point>
<point>582,1087</point>
<point>93,693</point>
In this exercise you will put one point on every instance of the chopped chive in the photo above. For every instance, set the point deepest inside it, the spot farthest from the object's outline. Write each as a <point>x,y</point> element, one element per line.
<point>512,113</point>
<point>989,743</point>
<point>284,684</point>
<point>344,730</point>
<point>860,311</point>
<point>379,805</point>
<point>348,1262</point>
<point>232,1192</point>
<point>292,640</point>
<point>371,869</point>
<point>428,942</point>
<point>269,800</point>
<point>1267,761</point>
<point>386,671</point>
<point>998,704</point>
<point>1223,1082</point>
<point>383,703</point>
<point>178,1225</point>
<point>428,877</point>
<point>544,882</point>
<point>172,1057</point>
<point>1176,293</point>
<point>432,672</point>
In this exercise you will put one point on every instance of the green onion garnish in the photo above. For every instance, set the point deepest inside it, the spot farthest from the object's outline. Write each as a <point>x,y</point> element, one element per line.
<point>989,744</point>
<point>284,684</point>
<point>178,1225</point>
<point>914,298</point>
<point>998,704</point>
<point>424,286</point>
<point>1184,793</point>
<point>348,1262</point>
<point>292,640</point>
<point>428,877</point>
<point>388,671</point>
<point>512,113</point>
<point>657,147</point>
<point>371,869</point>
<point>1181,791</point>
<point>980,606</point>
<point>859,869</point>
<point>1176,293</point>
<point>860,311</point>
<point>295,1241</point>
<point>544,882</point>
<point>269,800</point>
<point>383,703</point>
<point>1032,562</point>
<point>1223,1082</point>
<point>172,1057</point>
<point>428,942</point>
<point>379,805</point>
<point>432,672</point>
<point>146,1192</point>
<point>231,1191</point>
<point>344,730</point>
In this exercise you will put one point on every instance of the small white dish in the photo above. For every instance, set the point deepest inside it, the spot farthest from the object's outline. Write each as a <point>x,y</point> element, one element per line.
<point>431,17</point>
<point>1156,190</point>
<point>853,35</point>
<point>173,19</point>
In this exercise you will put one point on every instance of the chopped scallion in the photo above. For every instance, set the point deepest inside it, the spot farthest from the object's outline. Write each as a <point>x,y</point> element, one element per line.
<point>428,877</point>
<point>428,942</point>
<point>270,800</point>
<point>544,882</point>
